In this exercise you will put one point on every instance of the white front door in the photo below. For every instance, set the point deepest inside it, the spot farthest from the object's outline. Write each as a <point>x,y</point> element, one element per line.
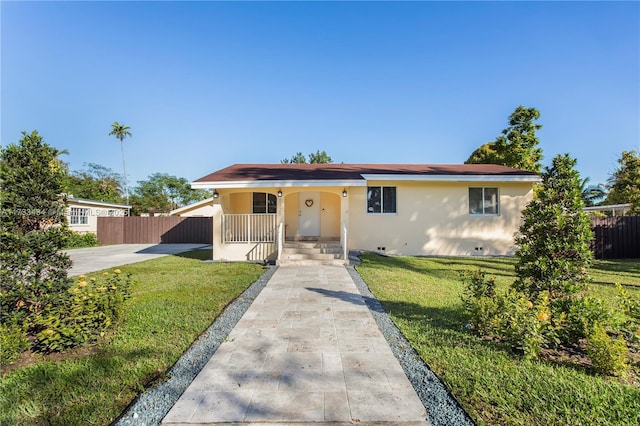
<point>309,214</point>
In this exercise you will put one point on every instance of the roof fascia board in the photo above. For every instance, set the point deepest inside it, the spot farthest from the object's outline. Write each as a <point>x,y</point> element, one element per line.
<point>453,178</point>
<point>97,203</point>
<point>276,183</point>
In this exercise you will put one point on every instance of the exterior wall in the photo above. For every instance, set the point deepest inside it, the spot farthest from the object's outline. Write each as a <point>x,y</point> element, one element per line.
<point>291,216</point>
<point>202,211</point>
<point>329,215</point>
<point>92,223</point>
<point>433,219</point>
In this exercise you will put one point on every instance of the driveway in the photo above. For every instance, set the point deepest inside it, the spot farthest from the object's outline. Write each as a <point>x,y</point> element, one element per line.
<point>92,259</point>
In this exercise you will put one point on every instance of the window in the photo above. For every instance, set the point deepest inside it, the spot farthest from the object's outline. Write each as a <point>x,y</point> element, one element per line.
<point>78,216</point>
<point>381,199</point>
<point>483,201</point>
<point>264,203</point>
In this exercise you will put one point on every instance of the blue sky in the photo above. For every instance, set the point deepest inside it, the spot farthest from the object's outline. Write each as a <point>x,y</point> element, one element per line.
<point>207,84</point>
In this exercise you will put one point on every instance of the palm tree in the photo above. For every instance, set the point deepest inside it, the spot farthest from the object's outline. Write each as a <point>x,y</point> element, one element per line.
<point>121,131</point>
<point>592,194</point>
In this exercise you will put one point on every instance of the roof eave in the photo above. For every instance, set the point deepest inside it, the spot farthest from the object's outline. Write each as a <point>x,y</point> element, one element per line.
<point>276,183</point>
<point>452,178</point>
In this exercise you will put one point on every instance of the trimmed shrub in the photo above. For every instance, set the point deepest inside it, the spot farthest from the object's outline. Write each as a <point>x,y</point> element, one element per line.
<point>607,355</point>
<point>76,240</point>
<point>13,340</point>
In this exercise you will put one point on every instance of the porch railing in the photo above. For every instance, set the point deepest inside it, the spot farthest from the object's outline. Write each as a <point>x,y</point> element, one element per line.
<point>249,228</point>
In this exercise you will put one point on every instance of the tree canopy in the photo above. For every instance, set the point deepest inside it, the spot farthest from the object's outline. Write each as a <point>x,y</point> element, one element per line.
<point>121,131</point>
<point>624,184</point>
<point>318,157</point>
<point>95,182</point>
<point>163,192</point>
<point>517,146</point>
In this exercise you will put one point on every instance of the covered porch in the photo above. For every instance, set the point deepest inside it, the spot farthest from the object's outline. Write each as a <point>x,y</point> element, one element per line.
<point>267,224</point>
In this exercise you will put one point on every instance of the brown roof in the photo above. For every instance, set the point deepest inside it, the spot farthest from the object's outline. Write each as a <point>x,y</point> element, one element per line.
<point>288,172</point>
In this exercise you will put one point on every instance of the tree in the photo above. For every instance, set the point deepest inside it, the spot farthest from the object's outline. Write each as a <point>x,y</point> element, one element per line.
<point>319,157</point>
<point>592,194</point>
<point>95,182</point>
<point>163,192</point>
<point>624,184</point>
<point>554,253</point>
<point>32,230</point>
<point>517,146</point>
<point>121,131</point>
<point>486,154</point>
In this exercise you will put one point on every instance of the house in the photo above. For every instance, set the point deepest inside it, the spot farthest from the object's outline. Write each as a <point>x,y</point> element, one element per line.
<point>202,208</point>
<point>610,209</point>
<point>273,211</point>
<point>83,214</point>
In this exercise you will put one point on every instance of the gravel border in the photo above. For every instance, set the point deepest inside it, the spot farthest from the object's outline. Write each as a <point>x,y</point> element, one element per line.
<point>153,405</point>
<point>442,408</point>
<point>150,407</point>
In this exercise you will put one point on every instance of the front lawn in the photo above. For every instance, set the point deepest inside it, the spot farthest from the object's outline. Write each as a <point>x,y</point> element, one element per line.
<point>496,387</point>
<point>173,300</point>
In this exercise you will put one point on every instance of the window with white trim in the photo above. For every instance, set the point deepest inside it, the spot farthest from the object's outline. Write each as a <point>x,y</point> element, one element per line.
<point>381,199</point>
<point>264,203</point>
<point>78,216</point>
<point>484,201</point>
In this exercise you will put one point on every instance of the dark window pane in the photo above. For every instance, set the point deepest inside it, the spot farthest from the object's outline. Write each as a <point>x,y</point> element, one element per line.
<point>373,199</point>
<point>272,204</point>
<point>259,202</point>
<point>389,199</point>
<point>475,201</point>
<point>490,200</point>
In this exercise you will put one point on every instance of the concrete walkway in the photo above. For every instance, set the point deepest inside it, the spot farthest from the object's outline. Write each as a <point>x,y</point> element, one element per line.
<point>307,351</point>
<point>92,259</point>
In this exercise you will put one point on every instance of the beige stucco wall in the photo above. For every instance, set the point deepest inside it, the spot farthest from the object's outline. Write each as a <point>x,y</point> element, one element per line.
<point>433,219</point>
<point>94,212</point>
<point>201,211</point>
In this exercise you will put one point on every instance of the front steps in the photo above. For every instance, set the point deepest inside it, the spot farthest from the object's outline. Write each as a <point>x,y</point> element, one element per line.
<point>311,253</point>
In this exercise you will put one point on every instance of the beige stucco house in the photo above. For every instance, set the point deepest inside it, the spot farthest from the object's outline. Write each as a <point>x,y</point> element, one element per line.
<point>202,208</point>
<point>82,214</point>
<point>259,210</point>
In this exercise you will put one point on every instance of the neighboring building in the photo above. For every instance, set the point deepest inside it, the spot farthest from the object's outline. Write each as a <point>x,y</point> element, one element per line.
<point>610,210</point>
<point>82,215</point>
<point>202,208</point>
<point>454,210</point>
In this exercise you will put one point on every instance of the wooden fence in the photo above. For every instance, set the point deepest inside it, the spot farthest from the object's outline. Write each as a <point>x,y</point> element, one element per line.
<point>616,237</point>
<point>155,230</point>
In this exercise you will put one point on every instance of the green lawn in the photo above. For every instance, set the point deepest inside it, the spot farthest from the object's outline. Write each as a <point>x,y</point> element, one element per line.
<point>422,296</point>
<point>174,299</point>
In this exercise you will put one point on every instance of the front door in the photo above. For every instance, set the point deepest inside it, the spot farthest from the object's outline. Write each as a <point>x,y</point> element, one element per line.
<point>309,214</point>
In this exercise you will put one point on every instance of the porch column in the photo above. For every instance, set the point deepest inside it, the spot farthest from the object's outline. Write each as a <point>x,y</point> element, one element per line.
<point>216,226</point>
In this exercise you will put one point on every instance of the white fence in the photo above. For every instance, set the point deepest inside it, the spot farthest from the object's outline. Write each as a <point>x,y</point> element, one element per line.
<point>249,228</point>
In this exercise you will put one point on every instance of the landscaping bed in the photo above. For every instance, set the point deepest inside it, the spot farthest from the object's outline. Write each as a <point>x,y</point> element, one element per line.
<point>173,300</point>
<point>493,384</point>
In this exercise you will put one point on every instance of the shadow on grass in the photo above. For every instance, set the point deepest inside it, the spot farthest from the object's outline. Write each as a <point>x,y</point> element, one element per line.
<point>33,395</point>
<point>199,254</point>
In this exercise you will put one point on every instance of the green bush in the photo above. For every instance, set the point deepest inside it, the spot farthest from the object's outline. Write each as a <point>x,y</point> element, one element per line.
<point>13,340</point>
<point>76,240</point>
<point>94,305</point>
<point>607,355</point>
<point>481,304</point>
<point>630,308</point>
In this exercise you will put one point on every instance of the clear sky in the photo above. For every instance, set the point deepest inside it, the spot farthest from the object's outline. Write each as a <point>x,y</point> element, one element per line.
<point>207,84</point>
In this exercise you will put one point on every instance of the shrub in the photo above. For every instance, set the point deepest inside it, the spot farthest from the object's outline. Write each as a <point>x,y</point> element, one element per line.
<point>94,305</point>
<point>480,302</point>
<point>630,309</point>
<point>607,355</point>
<point>76,240</point>
<point>13,340</point>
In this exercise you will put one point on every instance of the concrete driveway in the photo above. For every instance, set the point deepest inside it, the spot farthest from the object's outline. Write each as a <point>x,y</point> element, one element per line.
<point>92,259</point>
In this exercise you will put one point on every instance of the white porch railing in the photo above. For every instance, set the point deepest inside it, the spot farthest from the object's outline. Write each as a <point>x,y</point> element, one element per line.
<point>249,228</point>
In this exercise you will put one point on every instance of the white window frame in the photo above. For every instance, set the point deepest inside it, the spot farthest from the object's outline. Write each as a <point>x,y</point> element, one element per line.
<point>382,212</point>
<point>79,216</point>
<point>483,213</point>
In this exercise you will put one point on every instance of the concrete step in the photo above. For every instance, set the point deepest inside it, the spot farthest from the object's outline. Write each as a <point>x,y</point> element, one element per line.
<point>294,250</point>
<point>311,245</point>
<point>310,262</point>
<point>311,256</point>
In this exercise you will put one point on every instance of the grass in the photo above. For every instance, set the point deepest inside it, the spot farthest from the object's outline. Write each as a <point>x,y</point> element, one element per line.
<point>496,387</point>
<point>174,299</point>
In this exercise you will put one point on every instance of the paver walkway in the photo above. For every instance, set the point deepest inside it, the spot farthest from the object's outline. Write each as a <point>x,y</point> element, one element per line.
<point>306,351</point>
